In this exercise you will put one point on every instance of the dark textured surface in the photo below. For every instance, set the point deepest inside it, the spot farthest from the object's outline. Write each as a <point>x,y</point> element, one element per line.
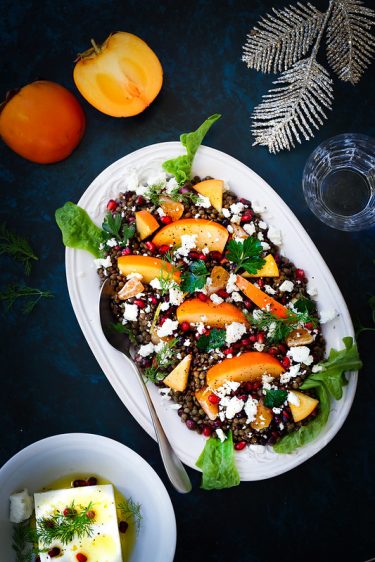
<point>324,509</point>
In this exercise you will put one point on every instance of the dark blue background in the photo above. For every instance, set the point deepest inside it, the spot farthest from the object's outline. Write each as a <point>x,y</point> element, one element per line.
<point>323,510</point>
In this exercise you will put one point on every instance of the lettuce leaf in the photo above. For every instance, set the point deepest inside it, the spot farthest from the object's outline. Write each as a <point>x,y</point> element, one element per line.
<point>180,167</point>
<point>217,464</point>
<point>327,382</point>
<point>78,229</point>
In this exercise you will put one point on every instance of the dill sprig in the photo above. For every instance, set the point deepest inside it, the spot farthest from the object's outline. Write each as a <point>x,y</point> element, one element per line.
<point>154,192</point>
<point>162,360</point>
<point>131,512</point>
<point>24,542</point>
<point>166,275</point>
<point>14,292</point>
<point>64,529</point>
<point>278,329</point>
<point>17,247</point>
<point>188,197</point>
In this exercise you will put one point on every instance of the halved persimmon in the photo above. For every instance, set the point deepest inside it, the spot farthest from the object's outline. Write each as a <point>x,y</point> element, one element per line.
<point>121,77</point>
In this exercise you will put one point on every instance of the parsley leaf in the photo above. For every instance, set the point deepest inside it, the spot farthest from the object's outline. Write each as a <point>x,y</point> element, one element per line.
<point>214,340</point>
<point>305,305</point>
<point>246,254</point>
<point>195,278</point>
<point>112,225</point>
<point>275,398</point>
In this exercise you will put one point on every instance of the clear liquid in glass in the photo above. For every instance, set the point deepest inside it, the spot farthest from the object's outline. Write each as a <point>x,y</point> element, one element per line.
<point>345,192</point>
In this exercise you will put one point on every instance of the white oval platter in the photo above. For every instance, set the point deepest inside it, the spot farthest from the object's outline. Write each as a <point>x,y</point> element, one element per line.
<point>73,453</point>
<point>254,463</point>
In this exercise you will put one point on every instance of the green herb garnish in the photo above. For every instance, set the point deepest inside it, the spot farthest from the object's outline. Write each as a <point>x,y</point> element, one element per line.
<point>161,362</point>
<point>214,340</point>
<point>166,275</point>
<point>64,529</point>
<point>180,167</point>
<point>17,247</point>
<point>195,278</point>
<point>186,198</point>
<point>131,512</point>
<point>112,225</point>
<point>278,329</point>
<point>24,542</point>
<point>246,255</point>
<point>275,398</point>
<point>328,381</point>
<point>78,230</point>
<point>30,295</point>
<point>154,192</point>
<point>123,329</point>
<point>217,464</point>
<point>305,305</point>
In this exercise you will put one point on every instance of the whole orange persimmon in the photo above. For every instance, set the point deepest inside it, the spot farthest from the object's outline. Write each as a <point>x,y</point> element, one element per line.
<point>42,122</point>
<point>121,77</point>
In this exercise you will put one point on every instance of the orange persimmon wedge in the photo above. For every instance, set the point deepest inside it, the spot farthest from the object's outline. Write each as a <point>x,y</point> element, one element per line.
<point>146,224</point>
<point>213,189</point>
<point>178,378</point>
<point>260,298</point>
<point>121,77</point>
<point>306,405</point>
<point>212,410</point>
<point>269,269</point>
<point>209,234</point>
<point>150,268</point>
<point>173,209</point>
<point>214,315</point>
<point>249,366</point>
<point>263,417</point>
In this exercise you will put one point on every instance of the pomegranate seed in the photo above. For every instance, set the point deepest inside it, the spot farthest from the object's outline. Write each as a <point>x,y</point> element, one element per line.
<point>245,342</point>
<point>228,351</point>
<point>92,481</point>
<point>123,526</point>
<point>257,385</point>
<point>202,297</point>
<point>277,258</point>
<point>249,386</point>
<point>273,351</point>
<point>261,283</point>
<point>240,445</point>
<point>90,514</point>
<point>253,338</point>
<point>300,274</point>
<point>194,255</point>
<point>248,303</point>
<point>216,424</point>
<point>185,326</point>
<point>206,332</point>
<point>162,320</point>
<point>246,218</point>
<point>242,397</point>
<point>213,399</point>
<point>286,415</point>
<point>207,431</point>
<point>150,246</point>
<point>139,303</point>
<point>117,248</point>
<point>111,205</point>
<point>81,557</point>
<point>281,347</point>
<point>216,255</point>
<point>68,512</point>
<point>131,219</point>
<point>244,201</point>
<point>202,257</point>
<point>237,345</point>
<point>166,220</point>
<point>286,362</point>
<point>126,252</point>
<point>260,337</point>
<point>139,200</point>
<point>223,294</point>
<point>79,483</point>
<point>153,300</point>
<point>309,325</point>
<point>164,249</point>
<point>55,551</point>
<point>190,424</point>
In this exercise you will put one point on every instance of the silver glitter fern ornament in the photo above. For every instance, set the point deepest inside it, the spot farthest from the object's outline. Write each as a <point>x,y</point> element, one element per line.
<point>290,112</point>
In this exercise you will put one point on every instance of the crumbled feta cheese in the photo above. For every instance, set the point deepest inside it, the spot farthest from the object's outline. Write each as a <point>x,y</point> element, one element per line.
<point>259,346</point>
<point>175,406</point>
<point>236,219</point>
<point>134,276</point>
<point>160,212</point>
<point>300,354</point>
<point>234,332</point>
<point>235,405</point>
<point>147,309</point>
<point>131,179</point>
<point>216,299</point>
<point>249,228</point>
<point>187,342</point>
<point>274,235</point>
<point>112,242</point>
<point>257,314</point>
<point>236,297</point>
<point>290,374</point>
<point>286,286</point>
<point>265,245</point>
<point>167,328</point>
<point>131,312</point>
<point>21,506</point>
<point>221,435</point>
<point>158,178</point>
<point>200,328</point>
<point>327,315</point>
<point>258,207</point>
<point>172,184</point>
<point>155,283</point>
<point>175,296</point>
<point>164,306</point>
<point>230,229</point>
<point>205,250</point>
<point>312,291</point>
<point>237,208</point>
<point>263,225</point>
<point>106,262</point>
<point>188,243</point>
<point>260,236</point>
<point>276,410</point>
<point>226,212</point>
<point>269,290</point>
<point>251,408</point>
<point>293,398</point>
<point>203,201</point>
<point>317,368</point>
<point>231,283</point>
<point>229,356</point>
<point>146,350</point>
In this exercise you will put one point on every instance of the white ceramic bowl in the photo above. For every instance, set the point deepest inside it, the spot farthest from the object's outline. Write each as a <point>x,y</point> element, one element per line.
<point>72,453</point>
<point>83,284</point>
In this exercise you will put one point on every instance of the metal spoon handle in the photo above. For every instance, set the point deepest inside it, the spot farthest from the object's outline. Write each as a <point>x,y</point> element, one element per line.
<point>172,464</point>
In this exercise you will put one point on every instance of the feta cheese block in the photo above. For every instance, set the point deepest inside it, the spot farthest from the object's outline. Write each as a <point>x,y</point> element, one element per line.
<point>104,544</point>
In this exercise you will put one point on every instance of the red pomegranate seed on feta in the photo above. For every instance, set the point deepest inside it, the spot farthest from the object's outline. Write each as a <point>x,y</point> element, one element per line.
<point>213,399</point>
<point>285,362</point>
<point>246,218</point>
